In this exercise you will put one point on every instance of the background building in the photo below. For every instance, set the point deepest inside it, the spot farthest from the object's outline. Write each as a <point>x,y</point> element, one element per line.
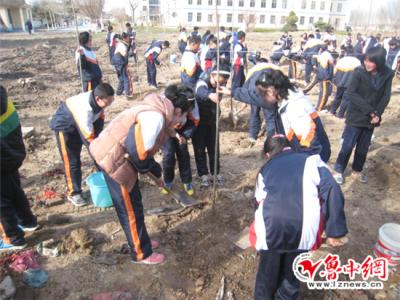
<point>243,13</point>
<point>14,14</point>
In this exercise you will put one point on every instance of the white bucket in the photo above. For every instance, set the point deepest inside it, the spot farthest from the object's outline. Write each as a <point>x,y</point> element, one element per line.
<point>388,244</point>
<point>172,59</point>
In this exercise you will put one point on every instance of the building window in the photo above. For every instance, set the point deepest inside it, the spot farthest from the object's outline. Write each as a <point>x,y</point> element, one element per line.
<point>210,18</point>
<point>302,19</point>
<point>263,3</point>
<point>240,18</point>
<point>311,20</point>
<point>198,17</point>
<point>229,18</point>
<point>218,2</point>
<point>337,22</point>
<point>320,19</point>
<point>241,3</point>
<point>262,19</point>
<point>313,4</point>
<point>229,3</point>
<point>339,7</point>
<point>210,2</point>
<point>198,2</point>
<point>272,20</point>
<point>273,4</point>
<point>190,17</point>
<point>284,4</point>
<point>190,2</point>
<point>322,7</point>
<point>283,20</point>
<point>303,4</point>
<point>252,3</point>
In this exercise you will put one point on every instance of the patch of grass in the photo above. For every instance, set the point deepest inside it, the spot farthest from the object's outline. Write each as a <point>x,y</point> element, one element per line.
<point>265,30</point>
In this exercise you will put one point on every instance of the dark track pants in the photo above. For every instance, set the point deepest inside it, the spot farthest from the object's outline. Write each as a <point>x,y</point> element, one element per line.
<point>238,78</point>
<point>129,208</point>
<point>90,85</point>
<point>204,139</point>
<point>340,102</point>
<point>255,121</point>
<point>70,147</point>
<point>324,92</point>
<point>275,278</point>
<point>14,210</point>
<point>308,71</point>
<point>172,150</point>
<point>292,73</point>
<point>358,137</point>
<point>124,81</point>
<point>151,72</point>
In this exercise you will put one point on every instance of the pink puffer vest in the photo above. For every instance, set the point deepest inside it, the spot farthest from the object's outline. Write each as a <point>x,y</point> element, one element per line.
<point>109,150</point>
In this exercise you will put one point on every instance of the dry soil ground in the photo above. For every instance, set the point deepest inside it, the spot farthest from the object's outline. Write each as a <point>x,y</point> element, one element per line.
<point>39,72</point>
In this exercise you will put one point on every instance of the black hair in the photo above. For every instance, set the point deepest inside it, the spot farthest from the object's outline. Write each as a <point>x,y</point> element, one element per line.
<point>84,38</point>
<point>195,28</point>
<point>241,35</point>
<point>311,36</point>
<point>393,42</point>
<point>178,97</point>
<point>276,79</point>
<point>166,44</point>
<point>275,144</point>
<point>224,69</point>
<point>3,94</point>
<point>124,35</point>
<point>128,24</point>
<point>183,29</point>
<point>212,39</point>
<point>377,55</point>
<point>317,30</point>
<point>262,60</point>
<point>222,28</point>
<point>231,28</point>
<point>117,36</point>
<point>194,39</point>
<point>110,28</point>
<point>103,90</point>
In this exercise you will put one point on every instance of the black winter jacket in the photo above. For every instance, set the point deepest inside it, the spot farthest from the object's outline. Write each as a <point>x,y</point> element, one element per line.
<point>367,97</point>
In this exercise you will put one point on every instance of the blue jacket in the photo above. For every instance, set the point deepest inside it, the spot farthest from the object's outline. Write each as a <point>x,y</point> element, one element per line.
<point>153,51</point>
<point>89,64</point>
<point>207,108</point>
<point>298,199</point>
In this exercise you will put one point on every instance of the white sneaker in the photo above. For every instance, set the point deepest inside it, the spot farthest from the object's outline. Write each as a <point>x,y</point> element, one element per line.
<point>338,178</point>
<point>77,200</point>
<point>204,181</point>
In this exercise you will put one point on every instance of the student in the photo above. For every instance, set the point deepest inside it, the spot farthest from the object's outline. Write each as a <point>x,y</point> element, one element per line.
<point>205,37</point>
<point>190,65</point>
<point>317,34</point>
<point>225,50</point>
<point>296,117</point>
<point>277,53</point>
<point>393,55</point>
<point>239,62</point>
<point>343,72</point>
<point>294,59</point>
<point>120,62</point>
<point>325,66</point>
<point>289,222</point>
<point>204,137</point>
<point>208,57</point>
<point>370,42</point>
<point>111,42</point>
<point>126,148</point>
<point>182,40</point>
<point>311,48</point>
<point>196,32</point>
<point>131,42</point>
<point>359,46</point>
<point>152,53</point>
<point>29,26</point>
<point>91,73</point>
<point>77,122</point>
<point>16,216</point>
<point>249,90</point>
<point>369,93</point>
<point>178,145</point>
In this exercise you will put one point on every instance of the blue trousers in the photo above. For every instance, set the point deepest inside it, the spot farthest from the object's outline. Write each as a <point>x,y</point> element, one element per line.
<point>340,102</point>
<point>14,209</point>
<point>172,150</point>
<point>275,278</point>
<point>255,121</point>
<point>129,208</point>
<point>70,147</point>
<point>90,85</point>
<point>151,72</point>
<point>238,78</point>
<point>325,91</point>
<point>358,137</point>
<point>308,71</point>
<point>124,81</point>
